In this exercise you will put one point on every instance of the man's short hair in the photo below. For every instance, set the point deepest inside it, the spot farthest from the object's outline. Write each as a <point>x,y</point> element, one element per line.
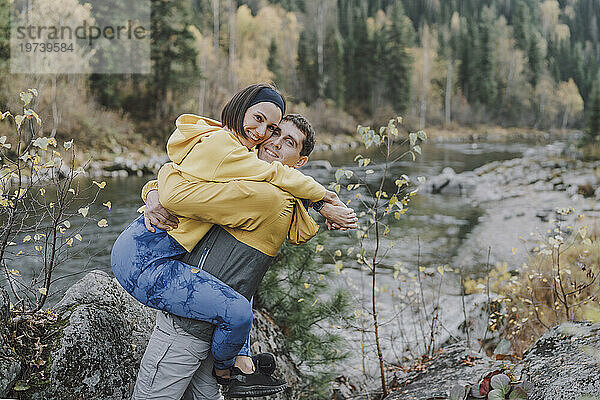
<point>306,128</point>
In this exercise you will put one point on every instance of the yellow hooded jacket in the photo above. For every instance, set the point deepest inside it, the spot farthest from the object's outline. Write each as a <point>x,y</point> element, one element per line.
<point>202,151</point>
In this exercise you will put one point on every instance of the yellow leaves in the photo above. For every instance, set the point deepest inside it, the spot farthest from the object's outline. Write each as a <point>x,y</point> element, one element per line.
<point>26,97</point>
<point>42,192</point>
<point>67,145</point>
<point>306,285</point>
<point>398,214</point>
<point>84,211</point>
<point>357,313</point>
<point>338,253</point>
<point>319,248</point>
<point>14,272</point>
<point>29,114</point>
<point>338,266</point>
<point>108,204</point>
<point>41,142</point>
<point>5,114</point>
<point>19,120</point>
<point>369,172</point>
<point>102,223</point>
<point>300,300</point>
<point>51,205</point>
<point>421,269</point>
<point>67,224</point>
<point>38,248</point>
<point>514,250</point>
<point>3,142</point>
<point>70,242</point>
<point>314,302</point>
<point>43,291</point>
<point>78,237</point>
<point>61,229</point>
<point>27,238</point>
<point>337,188</point>
<point>194,270</point>
<point>19,253</point>
<point>440,269</point>
<point>101,185</point>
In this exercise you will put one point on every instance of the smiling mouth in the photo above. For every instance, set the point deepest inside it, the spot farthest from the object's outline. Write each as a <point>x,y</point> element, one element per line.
<point>271,153</point>
<point>252,136</point>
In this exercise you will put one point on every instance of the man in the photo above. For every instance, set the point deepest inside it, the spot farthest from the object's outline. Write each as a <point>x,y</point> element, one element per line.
<point>178,354</point>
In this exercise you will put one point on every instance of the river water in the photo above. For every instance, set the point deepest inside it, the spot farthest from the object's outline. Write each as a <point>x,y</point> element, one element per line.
<point>441,222</point>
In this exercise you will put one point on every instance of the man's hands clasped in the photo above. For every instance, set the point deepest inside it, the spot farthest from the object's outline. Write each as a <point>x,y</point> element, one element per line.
<point>337,214</point>
<point>155,214</point>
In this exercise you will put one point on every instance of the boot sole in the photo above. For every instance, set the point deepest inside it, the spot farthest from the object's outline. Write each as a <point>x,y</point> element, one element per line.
<point>256,391</point>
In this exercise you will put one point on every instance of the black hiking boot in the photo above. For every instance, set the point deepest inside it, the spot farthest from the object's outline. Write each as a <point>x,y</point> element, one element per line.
<point>254,385</point>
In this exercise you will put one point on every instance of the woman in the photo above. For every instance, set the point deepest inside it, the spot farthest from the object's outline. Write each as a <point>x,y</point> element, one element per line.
<point>145,263</point>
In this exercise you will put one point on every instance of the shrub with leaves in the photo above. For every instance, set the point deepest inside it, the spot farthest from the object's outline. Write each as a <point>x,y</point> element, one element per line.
<point>39,197</point>
<point>394,145</point>
<point>559,283</point>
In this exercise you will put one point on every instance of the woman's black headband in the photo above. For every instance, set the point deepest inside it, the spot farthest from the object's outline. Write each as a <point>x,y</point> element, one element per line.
<point>271,96</point>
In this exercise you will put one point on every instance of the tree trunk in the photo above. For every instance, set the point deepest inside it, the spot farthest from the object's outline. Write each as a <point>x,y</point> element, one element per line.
<point>215,4</point>
<point>425,75</point>
<point>320,44</point>
<point>448,94</point>
<point>232,77</point>
<point>565,118</point>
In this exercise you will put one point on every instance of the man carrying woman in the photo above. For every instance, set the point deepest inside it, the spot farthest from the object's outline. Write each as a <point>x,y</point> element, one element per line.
<point>208,162</point>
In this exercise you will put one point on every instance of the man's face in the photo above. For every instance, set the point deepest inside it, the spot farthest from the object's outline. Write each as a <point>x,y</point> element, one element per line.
<point>284,146</point>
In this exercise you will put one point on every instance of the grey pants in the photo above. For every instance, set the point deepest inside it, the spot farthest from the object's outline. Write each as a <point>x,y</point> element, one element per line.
<point>175,365</point>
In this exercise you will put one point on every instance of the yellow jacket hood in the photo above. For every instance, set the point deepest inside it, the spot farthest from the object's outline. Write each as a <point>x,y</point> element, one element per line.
<point>191,130</point>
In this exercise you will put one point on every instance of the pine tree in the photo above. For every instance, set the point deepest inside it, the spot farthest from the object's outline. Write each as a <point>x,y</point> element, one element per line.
<point>486,87</point>
<point>273,63</point>
<point>340,77</point>
<point>399,60</point>
<point>307,67</point>
<point>592,126</point>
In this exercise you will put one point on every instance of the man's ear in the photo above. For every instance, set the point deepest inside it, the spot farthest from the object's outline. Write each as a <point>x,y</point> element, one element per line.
<point>301,161</point>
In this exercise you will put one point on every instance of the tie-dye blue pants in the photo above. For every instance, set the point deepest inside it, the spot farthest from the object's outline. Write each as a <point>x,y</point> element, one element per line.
<point>145,265</point>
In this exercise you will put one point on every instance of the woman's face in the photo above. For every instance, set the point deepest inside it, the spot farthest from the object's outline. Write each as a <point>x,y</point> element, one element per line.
<point>259,123</point>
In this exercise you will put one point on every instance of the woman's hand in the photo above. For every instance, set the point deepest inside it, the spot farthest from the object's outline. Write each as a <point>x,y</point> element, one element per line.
<point>155,214</point>
<point>339,217</point>
<point>333,199</point>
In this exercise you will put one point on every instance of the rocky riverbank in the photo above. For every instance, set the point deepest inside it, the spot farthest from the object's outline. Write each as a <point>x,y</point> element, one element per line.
<point>521,197</point>
<point>93,345</point>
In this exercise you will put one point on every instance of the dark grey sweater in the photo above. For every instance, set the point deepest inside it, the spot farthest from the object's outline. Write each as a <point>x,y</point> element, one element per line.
<point>233,262</point>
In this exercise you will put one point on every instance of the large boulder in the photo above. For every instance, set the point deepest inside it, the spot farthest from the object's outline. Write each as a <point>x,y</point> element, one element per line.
<point>103,339</point>
<point>565,363</point>
<point>453,365</point>
<point>103,335</point>
<point>10,366</point>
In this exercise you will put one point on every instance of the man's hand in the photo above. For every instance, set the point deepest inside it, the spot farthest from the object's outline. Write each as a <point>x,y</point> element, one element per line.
<point>155,214</point>
<point>339,217</point>
<point>333,199</point>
